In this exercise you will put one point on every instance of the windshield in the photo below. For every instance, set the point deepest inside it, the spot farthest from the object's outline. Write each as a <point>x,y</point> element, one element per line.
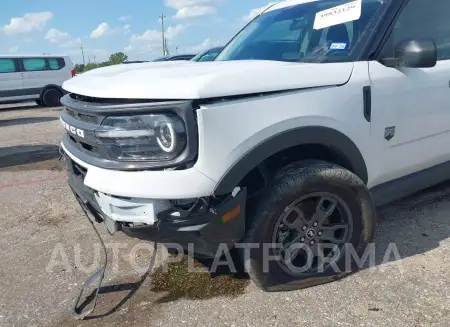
<point>160,59</point>
<point>313,31</point>
<point>209,55</point>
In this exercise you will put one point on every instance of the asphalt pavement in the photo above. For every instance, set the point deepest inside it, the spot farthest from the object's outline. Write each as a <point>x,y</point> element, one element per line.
<point>48,246</point>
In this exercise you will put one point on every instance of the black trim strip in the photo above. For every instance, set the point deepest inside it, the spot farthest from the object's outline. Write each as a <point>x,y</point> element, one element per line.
<point>410,184</point>
<point>367,99</point>
<point>20,92</point>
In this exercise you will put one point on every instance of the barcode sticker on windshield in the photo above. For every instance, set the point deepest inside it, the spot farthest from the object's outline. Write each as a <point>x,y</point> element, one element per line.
<point>337,15</point>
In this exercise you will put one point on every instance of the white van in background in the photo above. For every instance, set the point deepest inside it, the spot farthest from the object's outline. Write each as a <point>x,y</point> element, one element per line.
<point>36,77</point>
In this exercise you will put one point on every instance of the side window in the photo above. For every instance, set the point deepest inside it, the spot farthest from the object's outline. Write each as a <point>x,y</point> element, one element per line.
<point>8,66</point>
<point>34,64</point>
<point>423,19</point>
<point>56,63</point>
<point>53,64</point>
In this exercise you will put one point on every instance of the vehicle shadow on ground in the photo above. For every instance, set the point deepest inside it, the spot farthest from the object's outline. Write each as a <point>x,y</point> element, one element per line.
<point>414,225</point>
<point>14,106</point>
<point>26,120</point>
<point>30,157</point>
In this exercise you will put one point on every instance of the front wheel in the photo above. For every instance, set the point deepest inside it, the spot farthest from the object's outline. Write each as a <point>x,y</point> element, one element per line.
<point>309,227</point>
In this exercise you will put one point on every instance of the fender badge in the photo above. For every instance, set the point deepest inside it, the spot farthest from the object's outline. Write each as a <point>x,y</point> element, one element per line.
<point>389,133</point>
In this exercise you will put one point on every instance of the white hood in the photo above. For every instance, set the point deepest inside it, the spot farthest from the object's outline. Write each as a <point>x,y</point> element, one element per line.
<point>200,80</point>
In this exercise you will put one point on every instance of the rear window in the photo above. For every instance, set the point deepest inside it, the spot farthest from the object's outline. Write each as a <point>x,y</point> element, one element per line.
<point>34,64</point>
<point>56,63</point>
<point>8,66</point>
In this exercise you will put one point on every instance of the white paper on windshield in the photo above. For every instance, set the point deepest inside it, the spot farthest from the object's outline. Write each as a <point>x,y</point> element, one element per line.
<point>337,15</point>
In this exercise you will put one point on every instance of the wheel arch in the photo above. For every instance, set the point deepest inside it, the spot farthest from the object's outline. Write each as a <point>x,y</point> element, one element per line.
<point>340,147</point>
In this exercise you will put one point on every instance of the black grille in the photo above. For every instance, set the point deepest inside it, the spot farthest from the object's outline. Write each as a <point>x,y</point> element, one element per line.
<point>90,119</point>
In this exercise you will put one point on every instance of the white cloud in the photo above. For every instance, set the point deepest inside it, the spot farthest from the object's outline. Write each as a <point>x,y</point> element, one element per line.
<point>129,48</point>
<point>192,8</point>
<point>255,12</point>
<point>124,18</point>
<point>173,31</point>
<point>56,36</point>
<point>74,43</point>
<point>14,49</point>
<point>27,24</point>
<point>100,31</point>
<point>63,39</point>
<point>151,41</point>
<point>195,11</point>
<point>127,28</point>
<point>154,35</point>
<point>205,45</point>
<point>148,35</point>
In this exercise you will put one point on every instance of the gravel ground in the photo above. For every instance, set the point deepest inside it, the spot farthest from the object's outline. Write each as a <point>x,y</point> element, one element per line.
<point>47,246</point>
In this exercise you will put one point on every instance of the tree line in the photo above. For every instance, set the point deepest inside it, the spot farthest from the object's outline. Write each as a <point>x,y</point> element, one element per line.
<point>114,59</point>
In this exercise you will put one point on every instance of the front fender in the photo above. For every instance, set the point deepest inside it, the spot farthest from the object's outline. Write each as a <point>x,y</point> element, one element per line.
<point>325,136</point>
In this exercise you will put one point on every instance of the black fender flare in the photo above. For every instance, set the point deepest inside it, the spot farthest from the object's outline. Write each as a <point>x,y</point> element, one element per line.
<point>331,138</point>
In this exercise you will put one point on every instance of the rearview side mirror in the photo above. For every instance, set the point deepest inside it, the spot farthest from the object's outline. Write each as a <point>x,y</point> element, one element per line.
<point>413,53</point>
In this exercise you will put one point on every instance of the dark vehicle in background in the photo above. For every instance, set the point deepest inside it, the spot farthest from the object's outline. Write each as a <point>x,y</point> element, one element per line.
<point>135,62</point>
<point>184,57</point>
<point>208,55</point>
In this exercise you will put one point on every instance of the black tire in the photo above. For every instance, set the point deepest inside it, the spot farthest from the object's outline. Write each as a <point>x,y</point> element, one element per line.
<point>294,182</point>
<point>51,97</point>
<point>39,102</point>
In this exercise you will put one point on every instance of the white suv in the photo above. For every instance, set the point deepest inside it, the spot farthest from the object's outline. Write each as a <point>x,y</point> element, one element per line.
<point>314,113</point>
<point>34,78</point>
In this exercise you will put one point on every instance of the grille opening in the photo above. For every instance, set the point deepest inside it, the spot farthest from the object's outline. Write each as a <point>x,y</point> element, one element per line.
<point>90,119</point>
<point>78,170</point>
<point>87,146</point>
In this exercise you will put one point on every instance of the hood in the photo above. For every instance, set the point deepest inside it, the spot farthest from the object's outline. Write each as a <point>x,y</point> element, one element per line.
<point>200,80</point>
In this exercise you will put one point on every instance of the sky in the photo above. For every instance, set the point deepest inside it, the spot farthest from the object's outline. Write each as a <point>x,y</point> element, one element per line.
<point>133,27</point>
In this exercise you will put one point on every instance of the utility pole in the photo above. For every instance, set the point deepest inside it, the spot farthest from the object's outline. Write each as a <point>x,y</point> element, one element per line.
<point>82,53</point>
<point>167,47</point>
<point>163,36</point>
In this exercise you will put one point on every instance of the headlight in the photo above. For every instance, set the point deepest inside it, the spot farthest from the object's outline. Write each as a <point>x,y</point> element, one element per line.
<point>155,137</point>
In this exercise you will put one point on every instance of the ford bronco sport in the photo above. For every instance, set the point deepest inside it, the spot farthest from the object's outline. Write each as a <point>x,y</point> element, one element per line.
<point>313,114</point>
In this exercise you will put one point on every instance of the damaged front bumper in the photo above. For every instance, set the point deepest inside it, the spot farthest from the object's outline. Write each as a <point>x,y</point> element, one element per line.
<point>202,228</point>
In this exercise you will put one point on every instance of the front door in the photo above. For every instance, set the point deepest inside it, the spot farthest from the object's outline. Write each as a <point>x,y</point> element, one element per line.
<point>10,79</point>
<point>411,106</point>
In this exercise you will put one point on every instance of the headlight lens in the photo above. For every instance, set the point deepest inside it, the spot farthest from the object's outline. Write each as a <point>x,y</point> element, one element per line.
<point>155,137</point>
